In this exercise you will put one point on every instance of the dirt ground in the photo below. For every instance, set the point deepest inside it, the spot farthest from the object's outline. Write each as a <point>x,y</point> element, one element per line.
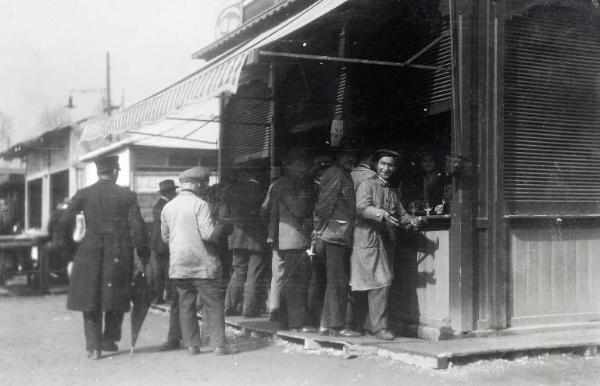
<point>41,343</point>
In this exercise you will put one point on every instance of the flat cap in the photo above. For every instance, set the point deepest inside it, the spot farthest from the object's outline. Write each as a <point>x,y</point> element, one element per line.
<point>107,163</point>
<point>196,173</point>
<point>386,153</point>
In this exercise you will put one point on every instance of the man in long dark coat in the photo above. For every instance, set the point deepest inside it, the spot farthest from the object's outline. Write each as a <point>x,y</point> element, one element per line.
<point>104,261</point>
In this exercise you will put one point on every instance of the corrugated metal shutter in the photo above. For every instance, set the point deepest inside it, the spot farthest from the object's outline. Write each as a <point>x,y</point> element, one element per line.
<point>247,128</point>
<point>308,94</point>
<point>552,112</point>
<point>391,91</point>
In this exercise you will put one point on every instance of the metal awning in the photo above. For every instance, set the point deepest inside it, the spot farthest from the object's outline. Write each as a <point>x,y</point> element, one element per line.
<point>220,75</point>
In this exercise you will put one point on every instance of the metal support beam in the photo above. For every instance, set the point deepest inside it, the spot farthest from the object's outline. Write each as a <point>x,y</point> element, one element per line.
<point>353,60</point>
<point>169,136</point>
<point>215,120</point>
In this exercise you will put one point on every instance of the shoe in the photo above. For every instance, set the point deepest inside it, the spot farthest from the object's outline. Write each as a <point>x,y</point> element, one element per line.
<point>384,334</point>
<point>109,346</point>
<point>170,345</point>
<point>348,333</point>
<point>159,301</point>
<point>222,350</point>
<point>306,330</point>
<point>94,355</point>
<point>273,316</point>
<point>193,350</point>
<point>231,313</point>
<point>334,332</point>
<point>323,331</point>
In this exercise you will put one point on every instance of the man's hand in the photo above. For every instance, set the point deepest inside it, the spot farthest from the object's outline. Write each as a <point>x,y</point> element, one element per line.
<point>439,209</point>
<point>387,217</point>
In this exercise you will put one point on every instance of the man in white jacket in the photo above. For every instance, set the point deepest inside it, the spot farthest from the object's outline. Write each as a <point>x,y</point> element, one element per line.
<point>195,267</point>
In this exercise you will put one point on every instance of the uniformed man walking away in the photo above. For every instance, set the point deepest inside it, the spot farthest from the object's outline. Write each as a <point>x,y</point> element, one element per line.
<point>103,264</point>
<point>195,267</point>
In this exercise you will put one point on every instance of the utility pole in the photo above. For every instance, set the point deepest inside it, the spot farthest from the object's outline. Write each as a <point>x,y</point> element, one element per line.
<point>108,102</point>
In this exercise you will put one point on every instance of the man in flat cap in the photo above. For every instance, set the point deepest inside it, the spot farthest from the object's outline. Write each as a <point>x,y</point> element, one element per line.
<point>379,214</point>
<point>104,261</point>
<point>195,267</point>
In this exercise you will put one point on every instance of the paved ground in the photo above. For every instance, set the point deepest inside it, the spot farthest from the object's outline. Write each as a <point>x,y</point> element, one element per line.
<point>42,344</point>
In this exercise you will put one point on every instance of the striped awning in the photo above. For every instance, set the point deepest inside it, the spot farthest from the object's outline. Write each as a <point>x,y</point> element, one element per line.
<point>220,75</point>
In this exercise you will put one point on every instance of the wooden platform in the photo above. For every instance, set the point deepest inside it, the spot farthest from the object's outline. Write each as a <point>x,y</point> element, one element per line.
<point>430,354</point>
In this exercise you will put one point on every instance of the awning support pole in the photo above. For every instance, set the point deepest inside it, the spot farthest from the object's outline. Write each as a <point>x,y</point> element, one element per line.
<point>352,60</point>
<point>427,47</point>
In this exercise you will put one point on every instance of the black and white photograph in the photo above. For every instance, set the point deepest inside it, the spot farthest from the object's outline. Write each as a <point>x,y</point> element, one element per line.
<point>300,192</point>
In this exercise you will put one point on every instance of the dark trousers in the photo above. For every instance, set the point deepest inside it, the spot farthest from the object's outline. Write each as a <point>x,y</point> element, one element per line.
<point>375,302</point>
<point>244,285</point>
<point>336,259</point>
<point>161,279</point>
<point>211,295</point>
<point>92,328</point>
<point>174,333</point>
<point>297,267</point>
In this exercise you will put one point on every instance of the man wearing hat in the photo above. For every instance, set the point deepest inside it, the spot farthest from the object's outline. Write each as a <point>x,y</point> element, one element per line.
<point>195,267</point>
<point>379,213</point>
<point>334,218</point>
<point>104,261</point>
<point>160,249</point>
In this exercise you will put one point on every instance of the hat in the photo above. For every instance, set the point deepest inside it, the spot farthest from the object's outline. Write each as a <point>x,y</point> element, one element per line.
<point>194,174</point>
<point>167,186</point>
<point>107,163</point>
<point>386,153</point>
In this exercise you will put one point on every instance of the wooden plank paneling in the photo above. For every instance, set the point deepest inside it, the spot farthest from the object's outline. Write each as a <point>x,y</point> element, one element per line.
<point>555,275</point>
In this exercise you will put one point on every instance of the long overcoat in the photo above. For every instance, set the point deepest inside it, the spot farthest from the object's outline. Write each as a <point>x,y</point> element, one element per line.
<point>374,239</point>
<point>103,264</point>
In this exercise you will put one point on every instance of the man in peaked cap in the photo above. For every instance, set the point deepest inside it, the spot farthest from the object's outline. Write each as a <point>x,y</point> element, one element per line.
<point>195,268</point>
<point>103,264</point>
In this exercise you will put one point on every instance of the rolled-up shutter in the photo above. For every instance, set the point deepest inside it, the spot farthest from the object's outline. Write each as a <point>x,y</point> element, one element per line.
<point>552,112</point>
<point>247,130</point>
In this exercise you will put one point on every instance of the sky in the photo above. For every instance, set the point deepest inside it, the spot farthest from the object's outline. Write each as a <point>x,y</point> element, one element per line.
<point>49,47</point>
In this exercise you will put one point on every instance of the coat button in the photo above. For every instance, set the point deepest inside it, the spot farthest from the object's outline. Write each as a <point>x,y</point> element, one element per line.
<point>116,259</point>
<point>109,284</point>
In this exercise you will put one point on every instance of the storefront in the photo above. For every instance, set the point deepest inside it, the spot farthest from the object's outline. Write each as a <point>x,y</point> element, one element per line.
<point>502,93</point>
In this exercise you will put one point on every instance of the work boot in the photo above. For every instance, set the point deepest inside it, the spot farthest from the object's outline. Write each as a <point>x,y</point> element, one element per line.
<point>94,355</point>
<point>349,333</point>
<point>384,334</point>
<point>110,346</point>
<point>193,350</point>
<point>170,345</point>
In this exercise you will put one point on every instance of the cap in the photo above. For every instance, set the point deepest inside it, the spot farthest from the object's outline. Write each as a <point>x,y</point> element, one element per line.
<point>107,163</point>
<point>386,153</point>
<point>167,186</point>
<point>194,174</point>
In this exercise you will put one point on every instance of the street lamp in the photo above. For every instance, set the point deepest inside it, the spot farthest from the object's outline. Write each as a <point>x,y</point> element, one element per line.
<point>108,106</point>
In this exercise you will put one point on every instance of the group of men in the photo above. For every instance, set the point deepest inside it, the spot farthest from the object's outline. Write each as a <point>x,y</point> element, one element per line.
<point>351,222</point>
<point>331,244</point>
